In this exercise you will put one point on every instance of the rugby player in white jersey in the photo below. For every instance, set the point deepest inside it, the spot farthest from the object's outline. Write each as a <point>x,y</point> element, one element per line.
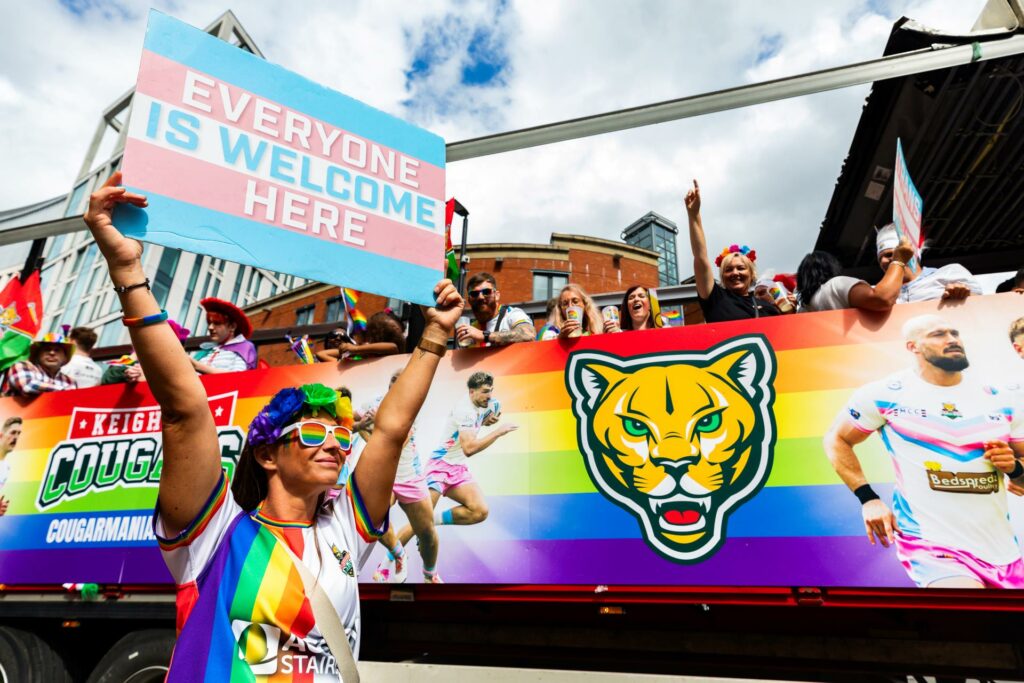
<point>411,493</point>
<point>951,438</point>
<point>447,471</point>
<point>9,436</point>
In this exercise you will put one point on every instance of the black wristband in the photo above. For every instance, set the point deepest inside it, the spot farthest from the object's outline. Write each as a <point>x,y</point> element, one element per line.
<point>865,494</point>
<point>1018,470</point>
<point>126,288</point>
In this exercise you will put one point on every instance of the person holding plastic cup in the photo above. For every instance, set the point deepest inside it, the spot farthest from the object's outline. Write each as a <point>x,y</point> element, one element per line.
<point>771,289</point>
<point>575,316</point>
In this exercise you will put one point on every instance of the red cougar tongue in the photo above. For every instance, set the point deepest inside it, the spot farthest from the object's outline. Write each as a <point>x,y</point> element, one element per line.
<point>682,518</point>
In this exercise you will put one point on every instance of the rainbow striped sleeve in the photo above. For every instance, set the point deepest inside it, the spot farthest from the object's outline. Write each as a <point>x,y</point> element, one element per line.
<point>364,525</point>
<point>198,525</point>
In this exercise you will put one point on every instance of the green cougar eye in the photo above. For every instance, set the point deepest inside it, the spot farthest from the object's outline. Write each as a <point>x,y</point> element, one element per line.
<point>709,423</point>
<point>635,427</point>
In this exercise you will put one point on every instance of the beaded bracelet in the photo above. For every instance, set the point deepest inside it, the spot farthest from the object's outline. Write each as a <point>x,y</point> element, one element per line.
<point>154,319</point>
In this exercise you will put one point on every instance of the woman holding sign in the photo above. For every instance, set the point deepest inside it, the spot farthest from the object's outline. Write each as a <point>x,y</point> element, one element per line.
<point>267,571</point>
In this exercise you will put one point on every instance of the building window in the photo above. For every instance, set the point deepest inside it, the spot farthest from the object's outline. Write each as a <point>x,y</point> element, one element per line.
<point>547,284</point>
<point>77,205</point>
<point>304,315</point>
<point>165,275</point>
<point>335,309</point>
<point>186,303</point>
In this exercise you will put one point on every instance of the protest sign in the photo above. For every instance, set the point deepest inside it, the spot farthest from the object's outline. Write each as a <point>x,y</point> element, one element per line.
<point>246,161</point>
<point>907,205</point>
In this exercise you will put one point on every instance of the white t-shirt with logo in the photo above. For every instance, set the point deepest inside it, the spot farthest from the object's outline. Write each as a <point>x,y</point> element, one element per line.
<point>243,571</point>
<point>464,417</point>
<point>84,370</point>
<point>5,472</point>
<point>513,318</point>
<point>946,492</point>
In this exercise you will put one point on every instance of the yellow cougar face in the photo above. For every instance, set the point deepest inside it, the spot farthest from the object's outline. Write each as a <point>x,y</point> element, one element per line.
<point>678,439</point>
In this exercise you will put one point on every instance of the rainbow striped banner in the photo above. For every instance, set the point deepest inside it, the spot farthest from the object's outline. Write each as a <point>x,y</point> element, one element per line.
<point>243,160</point>
<point>83,476</point>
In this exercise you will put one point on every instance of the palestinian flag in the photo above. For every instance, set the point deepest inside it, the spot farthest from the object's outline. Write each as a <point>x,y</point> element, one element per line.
<point>21,312</point>
<point>451,267</point>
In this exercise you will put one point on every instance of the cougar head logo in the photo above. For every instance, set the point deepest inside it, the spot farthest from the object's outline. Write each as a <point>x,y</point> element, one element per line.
<point>679,439</point>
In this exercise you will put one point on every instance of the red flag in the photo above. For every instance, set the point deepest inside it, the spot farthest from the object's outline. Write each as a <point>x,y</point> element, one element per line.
<point>21,314</point>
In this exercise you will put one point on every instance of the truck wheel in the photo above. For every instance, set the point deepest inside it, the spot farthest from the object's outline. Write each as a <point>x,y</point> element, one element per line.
<point>26,657</point>
<point>139,657</point>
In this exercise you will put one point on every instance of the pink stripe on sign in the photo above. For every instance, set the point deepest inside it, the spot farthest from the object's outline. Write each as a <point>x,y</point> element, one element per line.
<point>220,189</point>
<point>164,79</point>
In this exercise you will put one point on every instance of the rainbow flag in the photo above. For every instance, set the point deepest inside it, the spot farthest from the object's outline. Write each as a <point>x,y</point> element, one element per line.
<point>671,317</point>
<point>357,321</point>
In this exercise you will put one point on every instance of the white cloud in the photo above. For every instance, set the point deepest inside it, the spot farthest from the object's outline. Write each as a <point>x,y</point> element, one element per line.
<point>767,172</point>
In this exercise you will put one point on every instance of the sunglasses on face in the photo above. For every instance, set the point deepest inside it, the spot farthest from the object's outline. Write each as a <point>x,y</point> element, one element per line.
<point>478,293</point>
<point>315,434</point>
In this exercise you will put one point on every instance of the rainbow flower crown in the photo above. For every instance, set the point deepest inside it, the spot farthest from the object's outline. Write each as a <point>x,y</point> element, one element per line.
<point>736,249</point>
<point>288,404</point>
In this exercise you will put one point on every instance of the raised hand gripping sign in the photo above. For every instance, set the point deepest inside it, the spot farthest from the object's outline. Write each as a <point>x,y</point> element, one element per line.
<point>243,160</point>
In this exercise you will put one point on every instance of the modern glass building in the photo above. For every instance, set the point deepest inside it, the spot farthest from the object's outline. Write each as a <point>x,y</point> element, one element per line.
<point>75,285</point>
<point>656,233</point>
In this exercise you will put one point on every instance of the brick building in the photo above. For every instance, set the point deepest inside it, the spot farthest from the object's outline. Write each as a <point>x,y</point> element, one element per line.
<point>525,272</point>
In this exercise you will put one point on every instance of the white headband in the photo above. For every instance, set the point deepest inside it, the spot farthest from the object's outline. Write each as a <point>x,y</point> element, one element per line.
<point>887,238</point>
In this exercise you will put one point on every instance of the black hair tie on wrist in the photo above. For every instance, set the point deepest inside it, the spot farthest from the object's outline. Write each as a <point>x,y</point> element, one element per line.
<point>126,288</point>
<point>1018,470</point>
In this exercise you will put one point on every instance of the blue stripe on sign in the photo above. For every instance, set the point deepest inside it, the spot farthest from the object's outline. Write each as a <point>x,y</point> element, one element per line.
<point>42,531</point>
<point>187,45</point>
<point>218,234</point>
<point>779,511</point>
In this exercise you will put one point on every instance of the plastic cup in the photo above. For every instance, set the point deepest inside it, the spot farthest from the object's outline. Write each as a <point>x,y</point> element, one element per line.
<point>575,313</point>
<point>610,314</point>
<point>463,322</point>
<point>780,294</point>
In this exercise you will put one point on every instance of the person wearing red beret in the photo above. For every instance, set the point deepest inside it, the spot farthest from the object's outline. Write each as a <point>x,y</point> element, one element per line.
<point>229,348</point>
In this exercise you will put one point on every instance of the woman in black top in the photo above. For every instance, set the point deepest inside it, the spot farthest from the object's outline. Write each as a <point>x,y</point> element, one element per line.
<point>731,299</point>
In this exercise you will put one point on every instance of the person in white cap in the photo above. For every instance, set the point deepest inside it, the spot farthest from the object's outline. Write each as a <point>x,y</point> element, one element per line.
<point>951,281</point>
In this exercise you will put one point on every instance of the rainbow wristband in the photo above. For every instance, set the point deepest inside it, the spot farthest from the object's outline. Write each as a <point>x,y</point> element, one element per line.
<point>154,319</point>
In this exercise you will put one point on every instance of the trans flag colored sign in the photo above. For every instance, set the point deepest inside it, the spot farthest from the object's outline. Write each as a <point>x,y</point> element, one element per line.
<point>246,161</point>
<point>690,456</point>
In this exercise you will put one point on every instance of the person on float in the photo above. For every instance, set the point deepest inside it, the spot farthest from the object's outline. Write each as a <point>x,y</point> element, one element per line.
<point>493,323</point>
<point>952,281</point>
<point>823,288</point>
<point>229,348</point>
<point>635,310</point>
<point>565,327</point>
<point>730,298</point>
<point>43,371</point>
<point>235,555</point>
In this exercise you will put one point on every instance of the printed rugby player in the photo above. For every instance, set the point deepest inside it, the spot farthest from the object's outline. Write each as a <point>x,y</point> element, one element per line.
<point>447,472</point>
<point>951,439</point>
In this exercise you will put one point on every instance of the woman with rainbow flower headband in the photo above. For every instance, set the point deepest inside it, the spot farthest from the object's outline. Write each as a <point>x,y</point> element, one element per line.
<point>258,570</point>
<point>730,298</point>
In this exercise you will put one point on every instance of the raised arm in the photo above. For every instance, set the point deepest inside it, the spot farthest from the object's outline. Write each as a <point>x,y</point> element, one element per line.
<point>191,452</point>
<point>839,442</point>
<point>394,418</point>
<point>883,296</point>
<point>702,269</point>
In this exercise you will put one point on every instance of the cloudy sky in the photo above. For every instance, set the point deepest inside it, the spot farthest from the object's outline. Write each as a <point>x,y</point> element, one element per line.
<point>469,68</point>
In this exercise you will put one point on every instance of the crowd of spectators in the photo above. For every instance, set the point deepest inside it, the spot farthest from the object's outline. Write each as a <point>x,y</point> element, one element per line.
<point>62,361</point>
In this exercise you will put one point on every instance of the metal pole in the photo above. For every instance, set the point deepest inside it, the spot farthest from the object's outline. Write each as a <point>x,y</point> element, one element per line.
<point>462,211</point>
<point>35,258</point>
<point>894,66</point>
